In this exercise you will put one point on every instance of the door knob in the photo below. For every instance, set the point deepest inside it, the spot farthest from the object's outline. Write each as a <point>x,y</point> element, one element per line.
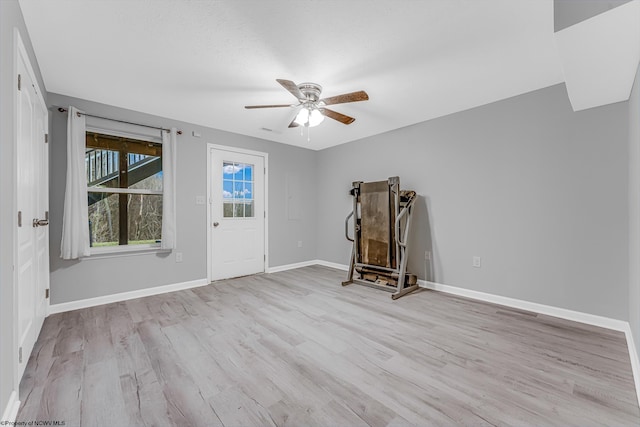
<point>40,222</point>
<point>215,224</point>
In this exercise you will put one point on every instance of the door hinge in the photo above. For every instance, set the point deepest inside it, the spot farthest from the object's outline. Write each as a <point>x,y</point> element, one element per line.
<point>19,82</point>
<point>265,214</point>
<point>20,355</point>
<point>19,218</point>
<point>46,293</point>
<point>265,257</point>
<point>46,138</point>
<point>265,171</point>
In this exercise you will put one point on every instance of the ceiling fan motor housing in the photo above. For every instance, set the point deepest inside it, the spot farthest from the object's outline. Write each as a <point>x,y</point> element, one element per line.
<point>311,91</point>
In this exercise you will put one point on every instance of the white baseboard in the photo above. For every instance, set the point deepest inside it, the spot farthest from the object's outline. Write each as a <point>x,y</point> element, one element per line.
<point>332,265</point>
<point>11,411</point>
<point>293,266</point>
<point>307,264</point>
<point>563,313</point>
<point>124,296</point>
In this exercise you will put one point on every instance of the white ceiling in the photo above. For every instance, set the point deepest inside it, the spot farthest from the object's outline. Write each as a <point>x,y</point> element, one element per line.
<point>202,61</point>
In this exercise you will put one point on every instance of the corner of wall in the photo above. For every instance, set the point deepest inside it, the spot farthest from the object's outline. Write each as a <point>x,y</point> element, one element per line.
<point>634,217</point>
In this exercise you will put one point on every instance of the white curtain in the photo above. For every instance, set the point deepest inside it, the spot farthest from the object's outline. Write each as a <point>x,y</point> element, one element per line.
<point>75,221</point>
<point>168,238</point>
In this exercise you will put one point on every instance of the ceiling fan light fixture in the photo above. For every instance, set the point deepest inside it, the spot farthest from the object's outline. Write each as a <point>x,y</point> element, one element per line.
<point>309,117</point>
<point>315,117</point>
<point>303,117</point>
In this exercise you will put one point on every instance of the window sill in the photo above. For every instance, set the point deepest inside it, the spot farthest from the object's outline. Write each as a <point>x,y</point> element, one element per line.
<point>122,251</point>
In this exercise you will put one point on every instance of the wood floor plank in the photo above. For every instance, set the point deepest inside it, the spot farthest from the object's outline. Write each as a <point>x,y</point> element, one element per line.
<point>62,395</point>
<point>296,348</point>
<point>102,400</point>
<point>185,402</point>
<point>142,393</point>
<point>38,367</point>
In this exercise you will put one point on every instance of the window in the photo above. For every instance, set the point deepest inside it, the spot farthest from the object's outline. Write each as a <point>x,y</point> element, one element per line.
<point>237,190</point>
<point>124,180</point>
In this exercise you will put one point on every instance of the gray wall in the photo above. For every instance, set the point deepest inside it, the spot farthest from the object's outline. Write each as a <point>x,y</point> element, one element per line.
<point>10,18</point>
<point>536,190</point>
<point>76,280</point>
<point>634,211</point>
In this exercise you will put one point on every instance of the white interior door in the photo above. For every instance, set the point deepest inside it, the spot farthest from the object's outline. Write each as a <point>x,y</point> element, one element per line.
<point>42,215</point>
<point>32,244</point>
<point>237,213</point>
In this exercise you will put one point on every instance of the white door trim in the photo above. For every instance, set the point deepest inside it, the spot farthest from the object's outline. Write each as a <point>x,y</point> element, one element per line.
<point>265,156</point>
<point>20,54</point>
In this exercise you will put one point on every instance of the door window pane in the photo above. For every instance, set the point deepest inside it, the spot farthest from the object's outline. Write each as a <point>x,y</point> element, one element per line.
<point>227,170</point>
<point>238,211</point>
<point>227,189</point>
<point>227,210</point>
<point>237,190</point>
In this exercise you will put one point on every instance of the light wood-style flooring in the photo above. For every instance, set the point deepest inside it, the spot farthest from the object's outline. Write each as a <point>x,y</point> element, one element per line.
<point>297,349</point>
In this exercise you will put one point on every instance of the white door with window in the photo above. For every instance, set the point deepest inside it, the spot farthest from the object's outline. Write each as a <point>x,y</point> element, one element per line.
<point>32,187</point>
<point>236,213</point>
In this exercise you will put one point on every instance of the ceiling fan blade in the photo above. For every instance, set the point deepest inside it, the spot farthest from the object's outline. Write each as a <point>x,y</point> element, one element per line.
<point>347,97</point>
<point>337,116</point>
<point>249,107</point>
<point>292,88</point>
<point>293,117</point>
<point>293,123</point>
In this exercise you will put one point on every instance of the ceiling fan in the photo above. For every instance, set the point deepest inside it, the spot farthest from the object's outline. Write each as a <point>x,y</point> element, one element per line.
<point>314,109</point>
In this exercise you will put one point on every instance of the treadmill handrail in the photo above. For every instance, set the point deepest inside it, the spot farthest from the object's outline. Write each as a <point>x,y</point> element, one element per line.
<point>403,212</point>
<point>346,227</point>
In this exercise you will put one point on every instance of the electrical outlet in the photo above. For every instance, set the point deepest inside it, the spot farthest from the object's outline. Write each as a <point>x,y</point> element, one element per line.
<point>477,261</point>
<point>427,255</point>
<point>178,256</point>
<point>299,243</point>
<point>200,200</point>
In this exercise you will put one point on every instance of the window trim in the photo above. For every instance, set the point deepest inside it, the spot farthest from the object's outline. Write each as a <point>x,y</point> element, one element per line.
<point>99,252</point>
<point>123,134</point>
<point>124,191</point>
